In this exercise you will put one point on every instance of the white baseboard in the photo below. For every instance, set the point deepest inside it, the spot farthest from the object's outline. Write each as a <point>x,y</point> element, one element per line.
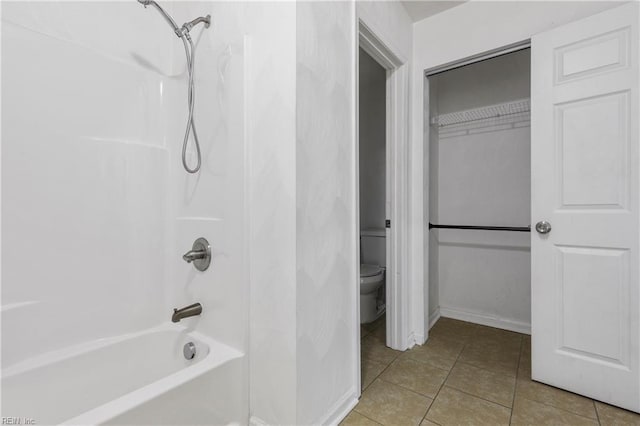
<point>340,409</point>
<point>435,316</point>
<point>482,319</point>
<point>418,339</point>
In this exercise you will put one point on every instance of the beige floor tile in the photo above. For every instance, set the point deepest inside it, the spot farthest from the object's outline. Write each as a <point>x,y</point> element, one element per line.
<point>503,344</point>
<point>485,384</point>
<point>426,422</point>
<point>356,419</point>
<point>370,371</point>
<point>390,404</point>
<point>380,333</point>
<point>496,336</point>
<point>452,407</point>
<point>375,324</point>
<point>491,357</point>
<point>438,352</point>
<point>416,376</point>
<point>527,412</point>
<point>555,397</point>
<point>610,416</point>
<point>524,368</point>
<point>364,331</point>
<point>372,348</point>
<point>526,345</point>
<point>451,329</point>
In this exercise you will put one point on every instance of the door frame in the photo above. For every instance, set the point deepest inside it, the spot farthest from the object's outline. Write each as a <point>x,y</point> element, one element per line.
<point>396,118</point>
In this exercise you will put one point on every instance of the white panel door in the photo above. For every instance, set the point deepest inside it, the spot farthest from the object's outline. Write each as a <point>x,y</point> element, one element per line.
<point>584,153</point>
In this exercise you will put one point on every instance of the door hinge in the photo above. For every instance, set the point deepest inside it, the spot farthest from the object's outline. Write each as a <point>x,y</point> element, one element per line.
<point>387,223</point>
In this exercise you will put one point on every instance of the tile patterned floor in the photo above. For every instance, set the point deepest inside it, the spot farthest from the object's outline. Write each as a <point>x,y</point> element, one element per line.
<point>466,374</point>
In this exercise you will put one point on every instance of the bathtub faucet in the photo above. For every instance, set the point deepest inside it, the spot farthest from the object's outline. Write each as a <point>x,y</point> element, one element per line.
<point>186,312</point>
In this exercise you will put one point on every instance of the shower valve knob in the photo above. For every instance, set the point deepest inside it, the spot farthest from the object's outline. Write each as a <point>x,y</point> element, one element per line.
<point>199,255</point>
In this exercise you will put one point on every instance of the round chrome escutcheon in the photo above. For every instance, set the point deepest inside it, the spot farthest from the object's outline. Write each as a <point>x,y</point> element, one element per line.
<point>189,350</point>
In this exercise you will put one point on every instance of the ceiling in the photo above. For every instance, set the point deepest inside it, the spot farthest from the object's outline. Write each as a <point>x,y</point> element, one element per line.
<point>420,9</point>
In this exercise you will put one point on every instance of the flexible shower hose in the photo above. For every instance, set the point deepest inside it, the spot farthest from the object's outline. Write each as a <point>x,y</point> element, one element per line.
<point>190,52</point>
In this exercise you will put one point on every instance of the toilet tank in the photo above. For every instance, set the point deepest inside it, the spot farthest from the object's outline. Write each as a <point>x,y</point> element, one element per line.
<point>373,247</point>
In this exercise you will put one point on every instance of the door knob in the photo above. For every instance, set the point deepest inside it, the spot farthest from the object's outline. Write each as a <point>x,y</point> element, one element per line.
<point>543,227</point>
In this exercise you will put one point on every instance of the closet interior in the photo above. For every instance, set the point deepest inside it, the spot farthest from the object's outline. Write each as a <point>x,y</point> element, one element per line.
<point>480,192</point>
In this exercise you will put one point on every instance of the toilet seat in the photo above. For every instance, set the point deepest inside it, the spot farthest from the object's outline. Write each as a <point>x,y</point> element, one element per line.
<point>370,270</point>
<point>371,276</point>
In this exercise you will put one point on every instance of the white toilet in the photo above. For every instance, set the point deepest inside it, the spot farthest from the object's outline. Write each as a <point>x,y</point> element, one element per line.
<point>372,268</point>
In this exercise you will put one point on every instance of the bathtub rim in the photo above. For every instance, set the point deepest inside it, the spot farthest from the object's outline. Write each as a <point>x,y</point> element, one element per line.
<point>218,354</point>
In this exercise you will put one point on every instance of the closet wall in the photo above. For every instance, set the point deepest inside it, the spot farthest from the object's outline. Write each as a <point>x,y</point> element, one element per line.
<point>480,175</point>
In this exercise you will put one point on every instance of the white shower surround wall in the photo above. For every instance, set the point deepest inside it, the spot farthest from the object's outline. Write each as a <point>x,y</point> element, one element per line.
<point>91,174</point>
<point>79,154</point>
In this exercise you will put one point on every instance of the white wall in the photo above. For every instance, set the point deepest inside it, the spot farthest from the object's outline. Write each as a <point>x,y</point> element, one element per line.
<point>327,255</point>
<point>271,94</point>
<point>481,176</point>
<point>372,141</point>
<point>471,29</point>
<point>326,250</point>
<point>390,22</point>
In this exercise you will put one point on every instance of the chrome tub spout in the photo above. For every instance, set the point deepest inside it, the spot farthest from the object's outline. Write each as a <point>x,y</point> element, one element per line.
<point>186,312</point>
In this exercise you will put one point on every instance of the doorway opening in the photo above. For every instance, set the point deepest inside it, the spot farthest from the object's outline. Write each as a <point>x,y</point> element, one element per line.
<point>480,192</point>
<point>373,188</point>
<point>373,200</point>
<point>382,202</point>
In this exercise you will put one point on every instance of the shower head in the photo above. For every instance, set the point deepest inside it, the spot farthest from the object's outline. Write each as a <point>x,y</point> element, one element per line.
<point>190,52</point>
<point>180,31</point>
<point>165,15</point>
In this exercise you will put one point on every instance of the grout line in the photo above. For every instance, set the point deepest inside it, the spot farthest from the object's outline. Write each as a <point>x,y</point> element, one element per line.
<point>477,397</point>
<point>445,380</point>
<point>558,389</point>
<point>379,374</point>
<point>395,384</point>
<point>406,388</point>
<point>465,344</point>
<point>560,409</point>
<point>366,417</point>
<point>513,400</point>
<point>430,421</point>
<point>491,371</point>
<point>596,410</point>
<point>380,362</point>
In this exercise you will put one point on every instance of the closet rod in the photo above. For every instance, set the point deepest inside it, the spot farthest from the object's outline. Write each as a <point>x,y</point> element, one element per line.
<point>485,228</point>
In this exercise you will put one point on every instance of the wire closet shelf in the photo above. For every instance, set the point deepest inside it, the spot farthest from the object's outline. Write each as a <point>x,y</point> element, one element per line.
<point>489,112</point>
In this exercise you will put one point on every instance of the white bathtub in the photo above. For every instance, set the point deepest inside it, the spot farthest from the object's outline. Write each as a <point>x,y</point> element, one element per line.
<point>140,378</point>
